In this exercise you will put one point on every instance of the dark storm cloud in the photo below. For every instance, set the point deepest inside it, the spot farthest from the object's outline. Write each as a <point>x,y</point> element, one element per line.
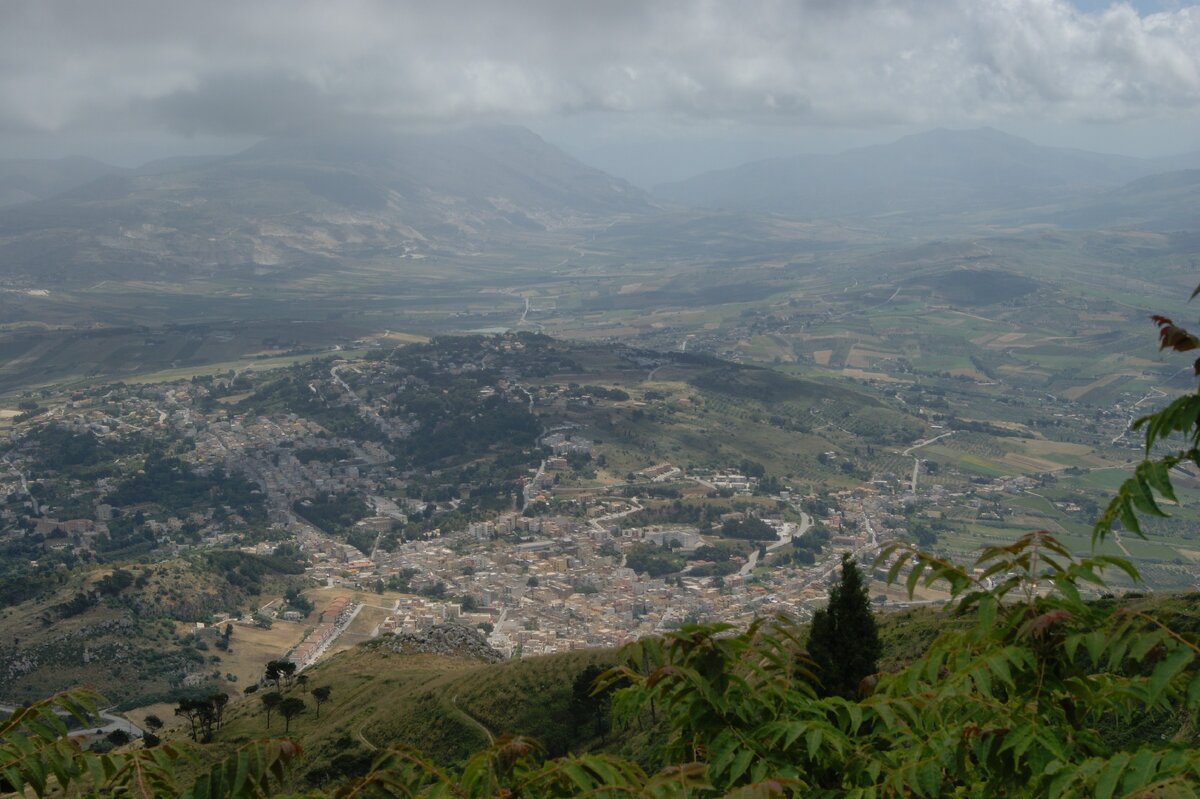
<point>267,67</point>
<point>234,104</point>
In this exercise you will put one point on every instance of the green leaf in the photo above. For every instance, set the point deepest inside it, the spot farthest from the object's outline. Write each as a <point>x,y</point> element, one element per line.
<point>740,764</point>
<point>1060,783</point>
<point>1139,771</point>
<point>722,759</point>
<point>1146,642</point>
<point>1142,498</point>
<point>812,741</point>
<point>1128,519</point>
<point>1193,692</point>
<point>929,778</point>
<point>1159,475</point>
<point>1164,672</point>
<point>1106,783</point>
<point>914,577</point>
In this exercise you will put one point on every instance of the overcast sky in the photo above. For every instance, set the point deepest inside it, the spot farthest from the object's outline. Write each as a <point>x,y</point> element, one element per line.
<point>651,90</point>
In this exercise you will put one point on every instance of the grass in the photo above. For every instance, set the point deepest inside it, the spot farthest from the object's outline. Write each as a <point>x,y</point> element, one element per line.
<point>441,705</point>
<point>449,707</point>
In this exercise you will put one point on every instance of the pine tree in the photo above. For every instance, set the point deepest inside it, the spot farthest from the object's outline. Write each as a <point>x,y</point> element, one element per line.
<point>843,640</point>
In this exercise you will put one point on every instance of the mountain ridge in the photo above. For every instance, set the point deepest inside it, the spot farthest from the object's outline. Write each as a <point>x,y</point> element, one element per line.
<point>290,203</point>
<point>31,179</point>
<point>939,172</point>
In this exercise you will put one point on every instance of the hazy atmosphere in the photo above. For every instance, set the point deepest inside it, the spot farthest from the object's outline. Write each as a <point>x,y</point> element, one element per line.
<point>649,91</point>
<point>786,399</point>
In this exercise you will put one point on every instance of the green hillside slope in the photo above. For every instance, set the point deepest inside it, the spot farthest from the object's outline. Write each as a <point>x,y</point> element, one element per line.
<point>450,707</point>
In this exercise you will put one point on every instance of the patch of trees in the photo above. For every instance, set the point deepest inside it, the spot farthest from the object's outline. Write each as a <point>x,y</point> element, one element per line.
<point>246,570</point>
<point>768,386</point>
<point>113,584</point>
<point>351,763</point>
<point>819,506</point>
<point>295,393</point>
<point>813,540</point>
<point>20,579</point>
<point>17,588</point>
<point>333,513</point>
<point>80,603</point>
<point>597,392</point>
<point>80,454</point>
<point>721,551</point>
<point>298,601</point>
<point>204,715</point>
<point>714,569</point>
<point>652,490</point>
<point>677,512</point>
<point>176,488</point>
<point>972,426</point>
<point>653,560</point>
<point>127,537</point>
<point>399,581</point>
<point>591,702</point>
<point>925,533</point>
<point>749,529</point>
<point>435,591</point>
<point>322,454</point>
<point>362,540</point>
<point>281,673</point>
<point>466,433</point>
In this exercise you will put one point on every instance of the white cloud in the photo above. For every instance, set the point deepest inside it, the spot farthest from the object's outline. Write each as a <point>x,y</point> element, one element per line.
<point>258,68</point>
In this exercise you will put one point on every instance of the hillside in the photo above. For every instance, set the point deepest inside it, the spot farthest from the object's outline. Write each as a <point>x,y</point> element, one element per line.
<point>305,203</point>
<point>941,173</point>
<point>1161,202</point>
<point>132,633</point>
<point>29,180</point>
<point>450,707</point>
<point>444,706</point>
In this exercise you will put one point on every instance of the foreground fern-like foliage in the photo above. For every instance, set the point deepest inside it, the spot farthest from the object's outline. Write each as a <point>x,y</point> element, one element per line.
<point>39,757</point>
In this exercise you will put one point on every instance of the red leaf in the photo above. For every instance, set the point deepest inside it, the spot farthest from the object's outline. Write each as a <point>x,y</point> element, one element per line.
<point>1174,337</point>
<point>1047,620</point>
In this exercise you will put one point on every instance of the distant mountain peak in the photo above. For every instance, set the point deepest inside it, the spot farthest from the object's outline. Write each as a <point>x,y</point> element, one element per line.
<point>321,197</point>
<point>936,174</point>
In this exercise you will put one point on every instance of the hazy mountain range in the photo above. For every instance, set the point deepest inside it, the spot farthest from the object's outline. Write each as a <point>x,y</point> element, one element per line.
<point>311,200</point>
<point>946,174</point>
<point>23,181</point>
<point>323,200</point>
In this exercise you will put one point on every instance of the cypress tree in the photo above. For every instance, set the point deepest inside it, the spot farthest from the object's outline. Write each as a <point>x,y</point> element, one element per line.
<point>843,640</point>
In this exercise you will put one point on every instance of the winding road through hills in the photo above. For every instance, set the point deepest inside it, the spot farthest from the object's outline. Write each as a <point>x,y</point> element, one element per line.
<point>917,461</point>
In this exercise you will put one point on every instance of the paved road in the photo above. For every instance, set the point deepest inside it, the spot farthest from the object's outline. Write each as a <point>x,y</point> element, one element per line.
<point>597,523</point>
<point>332,640</point>
<point>112,722</point>
<point>752,561</point>
<point>529,487</point>
<point>916,460</point>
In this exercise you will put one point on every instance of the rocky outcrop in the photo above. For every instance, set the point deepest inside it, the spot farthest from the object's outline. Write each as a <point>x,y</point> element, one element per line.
<point>454,640</point>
